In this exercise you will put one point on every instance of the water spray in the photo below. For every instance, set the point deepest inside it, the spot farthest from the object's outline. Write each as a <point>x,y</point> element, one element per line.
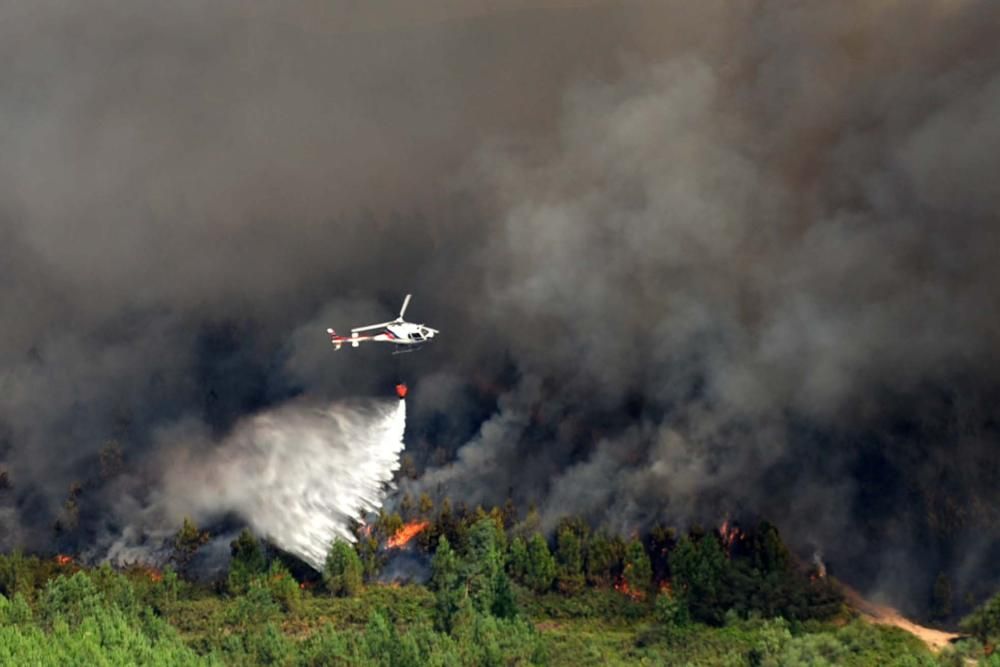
<point>299,475</point>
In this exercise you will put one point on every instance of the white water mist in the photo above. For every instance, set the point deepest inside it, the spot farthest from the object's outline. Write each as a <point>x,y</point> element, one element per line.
<point>297,474</point>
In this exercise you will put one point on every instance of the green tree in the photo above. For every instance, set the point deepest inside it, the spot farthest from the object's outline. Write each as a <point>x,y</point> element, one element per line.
<point>448,585</point>
<point>636,571</point>
<point>17,574</point>
<point>768,550</point>
<point>517,559</point>
<point>343,570</point>
<point>483,565</point>
<point>368,551</point>
<point>504,603</point>
<point>247,561</point>
<point>659,543</point>
<point>541,565</point>
<point>671,611</point>
<point>187,541</point>
<point>425,506</point>
<point>569,551</point>
<point>284,589</point>
<point>984,621</point>
<point>603,561</point>
<point>699,575</point>
<point>531,523</point>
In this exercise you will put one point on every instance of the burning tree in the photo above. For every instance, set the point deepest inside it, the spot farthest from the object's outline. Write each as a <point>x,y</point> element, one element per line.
<point>636,572</point>
<point>406,533</point>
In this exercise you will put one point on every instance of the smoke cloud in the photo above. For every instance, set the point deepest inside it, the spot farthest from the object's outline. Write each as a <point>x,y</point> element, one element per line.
<point>686,261</point>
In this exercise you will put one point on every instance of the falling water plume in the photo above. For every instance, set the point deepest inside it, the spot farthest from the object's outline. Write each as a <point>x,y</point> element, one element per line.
<point>298,474</point>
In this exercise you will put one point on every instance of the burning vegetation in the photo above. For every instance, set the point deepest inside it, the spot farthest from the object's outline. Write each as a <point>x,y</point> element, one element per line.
<point>404,535</point>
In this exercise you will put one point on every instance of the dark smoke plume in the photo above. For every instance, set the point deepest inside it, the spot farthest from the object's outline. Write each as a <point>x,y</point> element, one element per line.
<point>689,260</point>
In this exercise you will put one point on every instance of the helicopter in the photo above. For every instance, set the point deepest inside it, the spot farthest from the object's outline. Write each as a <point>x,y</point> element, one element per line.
<point>406,336</point>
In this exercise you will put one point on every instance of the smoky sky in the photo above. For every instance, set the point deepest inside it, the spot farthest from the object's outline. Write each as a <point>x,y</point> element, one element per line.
<point>687,261</point>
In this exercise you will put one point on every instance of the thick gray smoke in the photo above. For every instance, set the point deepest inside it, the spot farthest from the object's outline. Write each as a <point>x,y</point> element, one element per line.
<point>688,259</point>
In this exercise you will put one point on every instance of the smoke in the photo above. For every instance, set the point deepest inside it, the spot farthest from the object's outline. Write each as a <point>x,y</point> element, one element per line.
<point>688,261</point>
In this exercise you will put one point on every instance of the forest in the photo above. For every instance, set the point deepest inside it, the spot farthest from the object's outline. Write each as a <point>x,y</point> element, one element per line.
<point>477,588</point>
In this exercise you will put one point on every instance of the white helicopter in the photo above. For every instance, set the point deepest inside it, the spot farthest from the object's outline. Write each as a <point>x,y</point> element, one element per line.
<point>399,332</point>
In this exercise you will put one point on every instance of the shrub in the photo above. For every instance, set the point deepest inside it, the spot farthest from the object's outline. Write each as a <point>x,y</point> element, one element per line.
<point>283,587</point>
<point>671,611</point>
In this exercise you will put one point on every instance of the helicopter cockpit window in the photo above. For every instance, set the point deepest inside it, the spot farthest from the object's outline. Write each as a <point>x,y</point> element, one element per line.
<point>416,336</point>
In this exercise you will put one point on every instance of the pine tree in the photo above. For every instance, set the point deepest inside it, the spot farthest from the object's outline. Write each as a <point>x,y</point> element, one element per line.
<point>517,559</point>
<point>484,563</point>
<point>247,562</point>
<point>425,506</point>
<point>448,585</point>
<point>637,572</point>
<point>187,541</point>
<point>570,557</point>
<point>504,604</point>
<point>541,565</point>
<point>602,561</point>
<point>659,543</point>
<point>700,572</point>
<point>343,570</point>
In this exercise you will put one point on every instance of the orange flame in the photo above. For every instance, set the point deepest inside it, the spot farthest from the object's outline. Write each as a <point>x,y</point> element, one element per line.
<point>623,587</point>
<point>407,533</point>
<point>728,534</point>
<point>63,559</point>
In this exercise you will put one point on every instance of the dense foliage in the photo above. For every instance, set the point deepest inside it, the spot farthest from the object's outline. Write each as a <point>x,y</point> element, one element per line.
<point>498,594</point>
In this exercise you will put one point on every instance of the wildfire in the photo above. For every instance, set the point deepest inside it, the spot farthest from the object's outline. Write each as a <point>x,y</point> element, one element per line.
<point>623,587</point>
<point>819,567</point>
<point>406,533</point>
<point>729,534</point>
<point>63,559</point>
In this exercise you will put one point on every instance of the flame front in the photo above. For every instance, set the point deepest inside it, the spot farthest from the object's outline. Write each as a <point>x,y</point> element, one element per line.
<point>406,533</point>
<point>63,559</point>
<point>729,534</point>
<point>623,587</point>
